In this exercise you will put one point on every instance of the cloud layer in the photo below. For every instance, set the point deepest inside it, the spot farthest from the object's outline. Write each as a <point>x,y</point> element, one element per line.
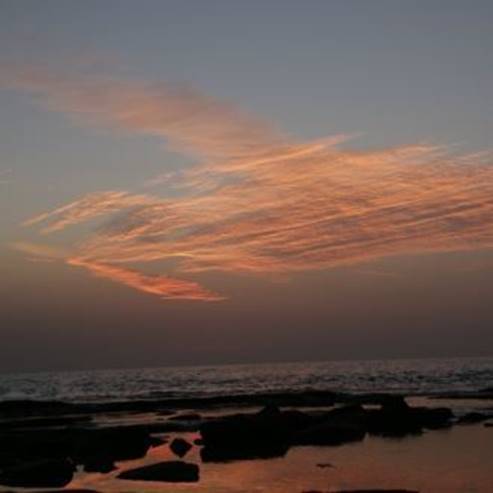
<point>259,201</point>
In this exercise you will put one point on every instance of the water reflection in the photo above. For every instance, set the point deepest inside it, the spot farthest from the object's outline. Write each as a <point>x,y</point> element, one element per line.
<point>457,460</point>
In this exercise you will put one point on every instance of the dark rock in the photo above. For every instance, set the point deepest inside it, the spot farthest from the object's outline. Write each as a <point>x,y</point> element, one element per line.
<point>31,446</point>
<point>245,451</point>
<point>329,434</point>
<point>103,465</point>
<point>398,419</point>
<point>87,447</point>
<point>180,447</point>
<point>107,445</point>
<point>157,441</point>
<point>170,426</point>
<point>473,417</point>
<point>28,408</point>
<point>471,394</point>
<point>392,425</point>
<point>245,436</point>
<point>43,422</point>
<point>172,472</point>
<point>199,442</point>
<point>325,465</point>
<point>433,418</point>
<point>342,425</point>
<point>40,474</point>
<point>388,401</point>
<point>164,412</point>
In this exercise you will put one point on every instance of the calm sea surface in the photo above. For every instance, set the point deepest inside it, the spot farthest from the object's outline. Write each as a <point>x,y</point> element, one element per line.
<point>408,376</point>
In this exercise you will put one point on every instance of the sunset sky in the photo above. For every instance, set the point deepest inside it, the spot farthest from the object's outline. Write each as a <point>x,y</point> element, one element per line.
<point>188,182</point>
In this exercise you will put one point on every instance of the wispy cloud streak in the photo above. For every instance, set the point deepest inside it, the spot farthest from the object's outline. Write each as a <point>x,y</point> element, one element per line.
<point>187,119</point>
<point>162,286</point>
<point>261,202</point>
<point>3,174</point>
<point>89,207</point>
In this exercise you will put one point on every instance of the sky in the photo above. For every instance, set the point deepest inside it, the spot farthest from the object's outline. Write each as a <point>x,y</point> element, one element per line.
<point>188,182</point>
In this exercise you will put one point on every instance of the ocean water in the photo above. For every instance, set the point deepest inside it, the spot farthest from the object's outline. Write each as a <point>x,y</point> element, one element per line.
<point>411,376</point>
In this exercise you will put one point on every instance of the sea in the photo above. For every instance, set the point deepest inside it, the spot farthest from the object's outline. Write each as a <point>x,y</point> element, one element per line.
<point>407,376</point>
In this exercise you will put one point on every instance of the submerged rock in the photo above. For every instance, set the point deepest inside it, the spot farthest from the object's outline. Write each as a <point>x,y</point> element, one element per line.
<point>180,447</point>
<point>473,417</point>
<point>54,473</point>
<point>171,471</point>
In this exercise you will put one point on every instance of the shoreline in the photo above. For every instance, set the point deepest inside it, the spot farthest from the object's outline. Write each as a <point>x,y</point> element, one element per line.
<point>52,443</point>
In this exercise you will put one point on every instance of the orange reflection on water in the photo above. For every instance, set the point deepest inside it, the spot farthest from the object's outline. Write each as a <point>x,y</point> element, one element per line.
<point>450,461</point>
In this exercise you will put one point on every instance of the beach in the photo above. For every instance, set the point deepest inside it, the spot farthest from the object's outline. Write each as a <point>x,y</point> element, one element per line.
<point>278,440</point>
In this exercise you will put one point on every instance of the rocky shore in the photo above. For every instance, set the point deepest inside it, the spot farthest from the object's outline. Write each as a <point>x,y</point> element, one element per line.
<point>44,443</point>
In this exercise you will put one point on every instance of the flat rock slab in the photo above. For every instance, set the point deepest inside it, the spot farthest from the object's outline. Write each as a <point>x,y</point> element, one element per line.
<point>170,471</point>
<point>39,474</point>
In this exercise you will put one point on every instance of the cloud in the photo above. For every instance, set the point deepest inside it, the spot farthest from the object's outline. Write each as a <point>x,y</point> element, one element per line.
<point>187,119</point>
<point>165,287</point>
<point>263,203</point>
<point>40,252</point>
<point>89,207</point>
<point>3,174</point>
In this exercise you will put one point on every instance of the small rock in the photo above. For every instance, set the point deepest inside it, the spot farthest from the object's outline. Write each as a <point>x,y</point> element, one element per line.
<point>180,447</point>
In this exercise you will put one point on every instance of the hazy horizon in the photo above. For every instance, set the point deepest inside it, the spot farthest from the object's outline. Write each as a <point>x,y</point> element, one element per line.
<point>486,356</point>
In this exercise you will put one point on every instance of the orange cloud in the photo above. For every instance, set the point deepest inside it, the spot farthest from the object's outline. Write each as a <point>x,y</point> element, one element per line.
<point>187,119</point>
<point>165,287</point>
<point>91,206</point>
<point>264,203</point>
